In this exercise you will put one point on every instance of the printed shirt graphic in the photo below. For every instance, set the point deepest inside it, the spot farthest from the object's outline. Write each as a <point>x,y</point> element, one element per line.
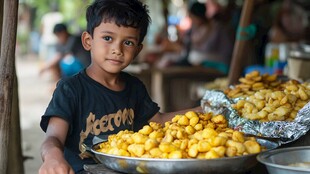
<point>91,110</point>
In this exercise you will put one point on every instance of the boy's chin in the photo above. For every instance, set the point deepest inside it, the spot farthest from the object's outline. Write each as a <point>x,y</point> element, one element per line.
<point>114,70</point>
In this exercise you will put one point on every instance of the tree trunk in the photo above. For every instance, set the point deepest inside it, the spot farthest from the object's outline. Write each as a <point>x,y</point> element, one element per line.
<point>15,158</point>
<point>7,63</point>
<point>1,21</point>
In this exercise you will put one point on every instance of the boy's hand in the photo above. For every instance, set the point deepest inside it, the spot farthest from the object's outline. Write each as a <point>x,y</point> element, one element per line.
<point>55,166</point>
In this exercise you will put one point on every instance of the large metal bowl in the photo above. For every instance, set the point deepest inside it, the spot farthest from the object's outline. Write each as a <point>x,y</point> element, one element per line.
<point>211,166</point>
<point>284,160</point>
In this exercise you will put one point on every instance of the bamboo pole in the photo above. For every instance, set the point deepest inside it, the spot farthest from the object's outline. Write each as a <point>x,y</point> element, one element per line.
<point>237,65</point>
<point>7,63</point>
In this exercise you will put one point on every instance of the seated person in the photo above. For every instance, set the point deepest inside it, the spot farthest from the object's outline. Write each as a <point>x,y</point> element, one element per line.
<point>177,53</point>
<point>70,57</point>
<point>206,43</point>
<point>220,43</point>
<point>290,25</point>
<point>197,36</point>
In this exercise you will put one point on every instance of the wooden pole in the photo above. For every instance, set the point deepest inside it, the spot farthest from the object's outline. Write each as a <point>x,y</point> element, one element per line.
<point>15,159</point>
<point>238,58</point>
<point>1,20</point>
<point>7,64</point>
<point>165,12</point>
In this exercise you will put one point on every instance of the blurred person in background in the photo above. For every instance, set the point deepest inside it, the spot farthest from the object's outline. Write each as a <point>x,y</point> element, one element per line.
<point>288,30</point>
<point>208,42</point>
<point>196,38</point>
<point>70,55</point>
<point>220,43</point>
<point>190,48</point>
<point>279,26</point>
<point>290,24</point>
<point>48,40</point>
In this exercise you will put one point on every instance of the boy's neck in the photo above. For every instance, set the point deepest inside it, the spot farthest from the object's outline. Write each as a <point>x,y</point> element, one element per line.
<point>111,81</point>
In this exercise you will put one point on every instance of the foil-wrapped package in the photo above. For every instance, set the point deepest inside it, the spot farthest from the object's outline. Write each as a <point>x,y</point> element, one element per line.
<point>283,131</point>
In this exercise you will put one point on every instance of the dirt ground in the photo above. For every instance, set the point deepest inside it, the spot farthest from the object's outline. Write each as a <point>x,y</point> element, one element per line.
<point>34,95</point>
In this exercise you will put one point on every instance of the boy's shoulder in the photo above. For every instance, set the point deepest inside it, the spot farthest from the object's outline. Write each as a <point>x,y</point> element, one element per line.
<point>131,78</point>
<point>73,80</point>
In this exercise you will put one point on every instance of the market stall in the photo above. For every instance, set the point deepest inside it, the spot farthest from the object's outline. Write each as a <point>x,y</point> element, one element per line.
<point>161,90</point>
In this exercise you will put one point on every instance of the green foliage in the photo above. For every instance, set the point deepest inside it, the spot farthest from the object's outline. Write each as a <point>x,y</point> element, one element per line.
<point>73,11</point>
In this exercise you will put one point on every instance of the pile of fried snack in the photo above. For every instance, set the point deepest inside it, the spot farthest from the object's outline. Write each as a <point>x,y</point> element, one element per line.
<point>192,135</point>
<point>265,98</point>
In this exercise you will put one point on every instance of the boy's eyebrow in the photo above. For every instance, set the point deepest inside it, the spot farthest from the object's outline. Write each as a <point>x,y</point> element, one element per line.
<point>110,32</point>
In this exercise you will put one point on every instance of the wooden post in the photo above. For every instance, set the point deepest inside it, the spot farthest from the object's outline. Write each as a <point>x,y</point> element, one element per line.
<point>1,20</point>
<point>7,64</point>
<point>237,65</point>
<point>165,12</point>
<point>15,159</point>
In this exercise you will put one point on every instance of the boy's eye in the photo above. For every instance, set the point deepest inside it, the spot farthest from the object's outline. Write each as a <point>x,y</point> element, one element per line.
<point>129,43</point>
<point>107,38</point>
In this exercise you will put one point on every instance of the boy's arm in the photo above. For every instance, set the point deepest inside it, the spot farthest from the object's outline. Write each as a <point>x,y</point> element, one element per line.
<point>52,148</point>
<point>164,117</point>
<point>53,63</point>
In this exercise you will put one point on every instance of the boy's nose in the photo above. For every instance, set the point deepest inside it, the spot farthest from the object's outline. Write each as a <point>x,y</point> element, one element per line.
<point>117,50</point>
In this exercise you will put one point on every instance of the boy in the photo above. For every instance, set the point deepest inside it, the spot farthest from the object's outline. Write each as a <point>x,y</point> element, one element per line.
<point>100,100</point>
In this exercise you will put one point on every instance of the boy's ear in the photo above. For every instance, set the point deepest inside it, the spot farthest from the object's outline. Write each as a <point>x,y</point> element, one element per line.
<point>86,40</point>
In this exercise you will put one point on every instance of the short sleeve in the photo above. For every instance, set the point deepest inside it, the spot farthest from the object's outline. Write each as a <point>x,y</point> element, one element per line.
<point>146,108</point>
<point>61,105</point>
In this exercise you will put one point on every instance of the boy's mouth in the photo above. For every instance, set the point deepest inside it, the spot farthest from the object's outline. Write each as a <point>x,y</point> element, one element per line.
<point>115,61</point>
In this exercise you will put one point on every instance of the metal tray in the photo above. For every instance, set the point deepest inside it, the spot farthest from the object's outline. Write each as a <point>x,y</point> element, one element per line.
<point>278,161</point>
<point>151,165</point>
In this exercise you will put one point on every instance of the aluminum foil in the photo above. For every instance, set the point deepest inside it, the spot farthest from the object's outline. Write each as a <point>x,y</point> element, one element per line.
<point>283,131</point>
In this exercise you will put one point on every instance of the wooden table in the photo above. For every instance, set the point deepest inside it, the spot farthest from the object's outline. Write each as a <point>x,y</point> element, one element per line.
<point>98,169</point>
<point>170,87</point>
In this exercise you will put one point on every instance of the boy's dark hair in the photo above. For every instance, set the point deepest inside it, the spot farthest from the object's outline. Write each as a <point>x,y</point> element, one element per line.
<point>60,28</point>
<point>127,13</point>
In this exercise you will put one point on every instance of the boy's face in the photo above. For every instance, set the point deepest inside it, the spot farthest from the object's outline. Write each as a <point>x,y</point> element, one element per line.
<point>112,47</point>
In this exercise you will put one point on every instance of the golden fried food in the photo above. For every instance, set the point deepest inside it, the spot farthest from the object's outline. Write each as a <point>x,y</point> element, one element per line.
<point>192,135</point>
<point>264,98</point>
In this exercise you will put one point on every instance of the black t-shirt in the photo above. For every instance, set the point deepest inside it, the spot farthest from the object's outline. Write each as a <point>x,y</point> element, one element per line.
<point>91,109</point>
